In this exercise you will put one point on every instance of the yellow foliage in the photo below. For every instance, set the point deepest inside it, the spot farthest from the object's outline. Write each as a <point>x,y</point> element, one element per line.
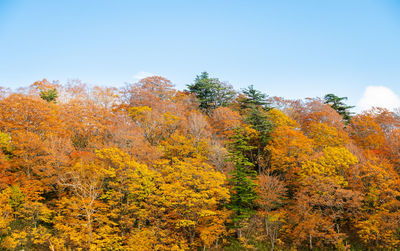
<point>281,119</point>
<point>6,211</point>
<point>138,112</point>
<point>333,162</point>
<point>289,147</point>
<point>325,135</point>
<point>192,191</point>
<point>5,140</point>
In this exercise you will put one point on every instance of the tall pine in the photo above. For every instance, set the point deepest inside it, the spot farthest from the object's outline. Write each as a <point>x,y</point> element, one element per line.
<point>243,193</point>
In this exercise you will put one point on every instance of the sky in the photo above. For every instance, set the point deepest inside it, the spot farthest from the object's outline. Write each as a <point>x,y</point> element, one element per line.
<point>289,48</point>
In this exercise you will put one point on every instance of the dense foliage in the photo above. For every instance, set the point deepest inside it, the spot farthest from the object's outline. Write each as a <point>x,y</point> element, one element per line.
<point>148,167</point>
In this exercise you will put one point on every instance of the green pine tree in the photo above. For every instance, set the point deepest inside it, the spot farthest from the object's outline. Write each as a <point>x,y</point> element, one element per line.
<point>254,107</point>
<point>254,98</point>
<point>243,194</point>
<point>49,95</point>
<point>337,103</point>
<point>211,92</point>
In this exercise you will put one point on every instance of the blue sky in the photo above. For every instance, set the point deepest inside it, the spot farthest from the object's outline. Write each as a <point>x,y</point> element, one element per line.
<point>294,49</point>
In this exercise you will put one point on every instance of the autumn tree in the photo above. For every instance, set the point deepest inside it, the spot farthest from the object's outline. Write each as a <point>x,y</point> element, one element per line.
<point>79,210</point>
<point>131,192</point>
<point>224,121</point>
<point>379,222</point>
<point>149,167</point>
<point>367,133</point>
<point>289,148</point>
<point>193,191</point>
<point>271,199</point>
<point>154,92</point>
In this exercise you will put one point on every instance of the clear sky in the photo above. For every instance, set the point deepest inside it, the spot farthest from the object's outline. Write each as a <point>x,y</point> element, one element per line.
<point>288,48</point>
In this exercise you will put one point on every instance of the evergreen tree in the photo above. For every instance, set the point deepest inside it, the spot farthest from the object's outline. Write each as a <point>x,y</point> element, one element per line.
<point>255,106</point>
<point>49,95</point>
<point>254,98</point>
<point>258,119</point>
<point>243,194</point>
<point>211,92</point>
<point>337,103</point>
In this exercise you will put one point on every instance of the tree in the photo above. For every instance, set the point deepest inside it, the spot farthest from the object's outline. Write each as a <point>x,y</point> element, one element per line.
<point>289,148</point>
<point>271,198</point>
<point>146,168</point>
<point>193,193</point>
<point>80,213</point>
<point>155,92</point>
<point>379,222</point>
<point>367,133</point>
<point>258,119</point>
<point>243,193</point>
<point>254,98</point>
<point>253,106</point>
<point>48,91</point>
<point>319,216</point>
<point>133,198</point>
<point>49,95</point>
<point>155,126</point>
<point>337,103</point>
<point>211,92</point>
<point>224,121</point>
<point>325,135</point>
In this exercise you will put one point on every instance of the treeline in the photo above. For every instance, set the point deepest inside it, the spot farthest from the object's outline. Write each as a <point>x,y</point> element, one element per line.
<point>149,167</point>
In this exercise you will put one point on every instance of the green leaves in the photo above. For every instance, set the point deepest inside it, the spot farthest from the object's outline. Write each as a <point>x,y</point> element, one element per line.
<point>243,193</point>
<point>254,98</point>
<point>49,95</point>
<point>337,103</point>
<point>211,92</point>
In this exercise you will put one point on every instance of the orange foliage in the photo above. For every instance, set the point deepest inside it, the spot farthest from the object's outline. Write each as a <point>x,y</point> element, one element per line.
<point>143,168</point>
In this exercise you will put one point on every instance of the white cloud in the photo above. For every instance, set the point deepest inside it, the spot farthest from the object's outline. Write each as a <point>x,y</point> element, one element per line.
<point>378,96</point>
<point>142,74</point>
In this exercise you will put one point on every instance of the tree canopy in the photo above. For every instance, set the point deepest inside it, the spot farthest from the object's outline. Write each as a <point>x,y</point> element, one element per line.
<point>211,92</point>
<point>150,167</point>
<point>337,103</point>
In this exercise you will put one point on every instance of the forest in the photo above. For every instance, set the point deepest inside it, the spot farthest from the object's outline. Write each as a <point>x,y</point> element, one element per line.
<point>150,167</point>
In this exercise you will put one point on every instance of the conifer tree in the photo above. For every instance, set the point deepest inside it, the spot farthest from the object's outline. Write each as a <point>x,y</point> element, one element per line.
<point>254,107</point>
<point>243,193</point>
<point>337,103</point>
<point>211,92</point>
<point>254,98</point>
<point>49,95</point>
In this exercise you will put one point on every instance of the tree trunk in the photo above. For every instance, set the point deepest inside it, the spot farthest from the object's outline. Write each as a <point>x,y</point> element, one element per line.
<point>239,233</point>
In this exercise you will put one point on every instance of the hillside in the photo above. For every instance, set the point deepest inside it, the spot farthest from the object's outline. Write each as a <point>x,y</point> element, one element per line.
<point>149,167</point>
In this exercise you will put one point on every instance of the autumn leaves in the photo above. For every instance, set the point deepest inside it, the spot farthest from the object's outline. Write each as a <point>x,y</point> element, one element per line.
<point>148,167</point>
